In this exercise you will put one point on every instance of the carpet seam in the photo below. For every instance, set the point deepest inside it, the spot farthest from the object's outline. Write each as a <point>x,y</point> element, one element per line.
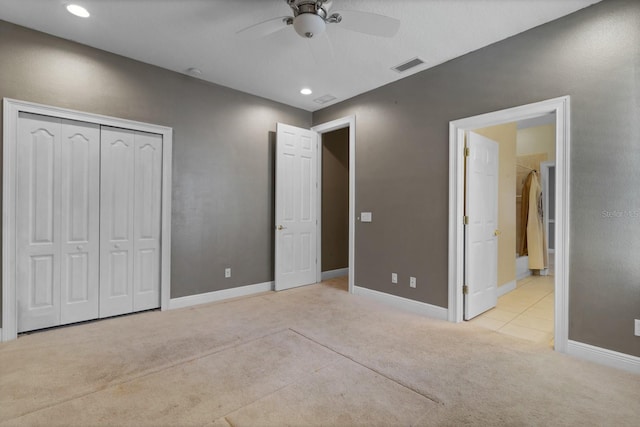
<point>289,384</point>
<point>145,374</point>
<point>408,387</point>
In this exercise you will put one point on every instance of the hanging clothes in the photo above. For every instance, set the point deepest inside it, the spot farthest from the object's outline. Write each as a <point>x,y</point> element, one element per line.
<point>536,241</point>
<point>524,215</point>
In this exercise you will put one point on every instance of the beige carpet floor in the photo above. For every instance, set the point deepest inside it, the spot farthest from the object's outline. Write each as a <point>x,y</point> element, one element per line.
<point>310,356</point>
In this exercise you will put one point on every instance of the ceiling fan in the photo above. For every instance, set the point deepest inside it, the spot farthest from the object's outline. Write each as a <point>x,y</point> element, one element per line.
<point>310,18</point>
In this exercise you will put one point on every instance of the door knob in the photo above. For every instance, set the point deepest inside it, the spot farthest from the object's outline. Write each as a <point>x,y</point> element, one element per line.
<point>496,233</point>
<point>79,247</point>
<point>117,246</point>
<point>281,227</point>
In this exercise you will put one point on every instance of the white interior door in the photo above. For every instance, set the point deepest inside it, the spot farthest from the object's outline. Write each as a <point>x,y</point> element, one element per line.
<point>131,199</point>
<point>481,232</point>
<point>37,222</point>
<point>116,224</point>
<point>147,220</point>
<point>296,195</point>
<point>57,225</point>
<point>80,221</point>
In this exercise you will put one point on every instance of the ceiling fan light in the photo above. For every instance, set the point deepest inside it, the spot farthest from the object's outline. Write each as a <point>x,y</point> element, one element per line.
<point>309,25</point>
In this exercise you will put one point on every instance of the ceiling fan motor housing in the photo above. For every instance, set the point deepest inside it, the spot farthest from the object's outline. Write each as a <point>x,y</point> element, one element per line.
<point>310,16</point>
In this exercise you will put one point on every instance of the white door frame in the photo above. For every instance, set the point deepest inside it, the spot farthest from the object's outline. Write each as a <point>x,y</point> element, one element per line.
<point>457,128</point>
<point>12,109</point>
<point>344,122</point>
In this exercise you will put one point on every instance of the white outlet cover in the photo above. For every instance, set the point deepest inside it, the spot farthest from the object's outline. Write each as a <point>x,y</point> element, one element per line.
<point>637,328</point>
<point>412,282</point>
<point>227,272</point>
<point>365,216</point>
<point>394,278</point>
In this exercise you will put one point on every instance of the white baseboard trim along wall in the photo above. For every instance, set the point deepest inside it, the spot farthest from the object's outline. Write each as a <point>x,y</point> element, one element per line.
<point>603,356</point>
<point>403,303</point>
<point>332,274</point>
<point>505,289</point>
<point>219,295</point>
<point>580,350</point>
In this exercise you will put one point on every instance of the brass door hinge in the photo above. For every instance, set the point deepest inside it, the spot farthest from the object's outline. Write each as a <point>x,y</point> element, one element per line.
<point>466,151</point>
<point>465,220</point>
<point>465,289</point>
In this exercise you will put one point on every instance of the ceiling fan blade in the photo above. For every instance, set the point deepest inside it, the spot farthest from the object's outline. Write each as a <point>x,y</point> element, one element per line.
<point>263,29</point>
<point>369,23</point>
<point>321,48</point>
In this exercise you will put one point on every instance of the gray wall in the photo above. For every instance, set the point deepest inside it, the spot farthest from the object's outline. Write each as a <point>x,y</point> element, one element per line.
<point>223,156</point>
<point>402,162</point>
<point>223,152</point>
<point>335,199</point>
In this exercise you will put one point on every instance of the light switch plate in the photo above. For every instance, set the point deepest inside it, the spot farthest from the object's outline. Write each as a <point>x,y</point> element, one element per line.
<point>227,273</point>
<point>365,216</point>
<point>394,277</point>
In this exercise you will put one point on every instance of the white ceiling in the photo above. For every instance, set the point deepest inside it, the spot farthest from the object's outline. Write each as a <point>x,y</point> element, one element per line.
<point>180,34</point>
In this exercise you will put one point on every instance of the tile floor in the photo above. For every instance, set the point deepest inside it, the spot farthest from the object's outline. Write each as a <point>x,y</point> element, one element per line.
<point>527,312</point>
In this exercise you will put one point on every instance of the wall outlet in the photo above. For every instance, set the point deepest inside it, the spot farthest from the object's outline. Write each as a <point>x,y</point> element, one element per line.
<point>227,273</point>
<point>637,328</point>
<point>412,282</point>
<point>394,277</point>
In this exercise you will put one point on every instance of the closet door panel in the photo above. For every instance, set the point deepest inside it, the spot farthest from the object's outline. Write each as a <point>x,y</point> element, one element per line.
<point>116,223</point>
<point>37,222</point>
<point>147,197</point>
<point>80,221</point>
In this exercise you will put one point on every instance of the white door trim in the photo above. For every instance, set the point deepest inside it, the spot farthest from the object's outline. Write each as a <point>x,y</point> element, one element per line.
<point>12,108</point>
<point>559,106</point>
<point>343,122</point>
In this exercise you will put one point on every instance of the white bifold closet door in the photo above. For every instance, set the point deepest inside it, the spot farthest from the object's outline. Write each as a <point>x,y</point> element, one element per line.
<point>57,225</point>
<point>131,177</point>
<point>88,209</point>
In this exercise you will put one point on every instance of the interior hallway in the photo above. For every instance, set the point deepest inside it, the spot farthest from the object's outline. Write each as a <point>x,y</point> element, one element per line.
<point>526,313</point>
<point>315,355</point>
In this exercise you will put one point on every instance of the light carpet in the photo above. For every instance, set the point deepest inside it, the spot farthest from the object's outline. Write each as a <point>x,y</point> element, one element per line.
<point>309,356</point>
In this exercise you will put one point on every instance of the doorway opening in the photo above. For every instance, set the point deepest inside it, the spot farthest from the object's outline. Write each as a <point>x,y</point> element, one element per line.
<point>459,129</point>
<point>333,182</point>
<point>78,246</point>
<point>525,263</point>
<point>336,200</point>
<point>298,204</point>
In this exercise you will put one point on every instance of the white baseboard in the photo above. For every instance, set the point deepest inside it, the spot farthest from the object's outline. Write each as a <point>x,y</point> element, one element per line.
<point>404,303</point>
<point>332,274</point>
<point>603,356</point>
<point>219,295</point>
<point>506,288</point>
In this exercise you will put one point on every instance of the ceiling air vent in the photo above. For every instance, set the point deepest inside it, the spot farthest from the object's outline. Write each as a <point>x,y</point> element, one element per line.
<point>408,65</point>
<point>325,99</point>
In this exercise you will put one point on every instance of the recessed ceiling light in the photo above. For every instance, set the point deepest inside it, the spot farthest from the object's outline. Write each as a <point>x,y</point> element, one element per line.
<point>306,91</point>
<point>78,10</point>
